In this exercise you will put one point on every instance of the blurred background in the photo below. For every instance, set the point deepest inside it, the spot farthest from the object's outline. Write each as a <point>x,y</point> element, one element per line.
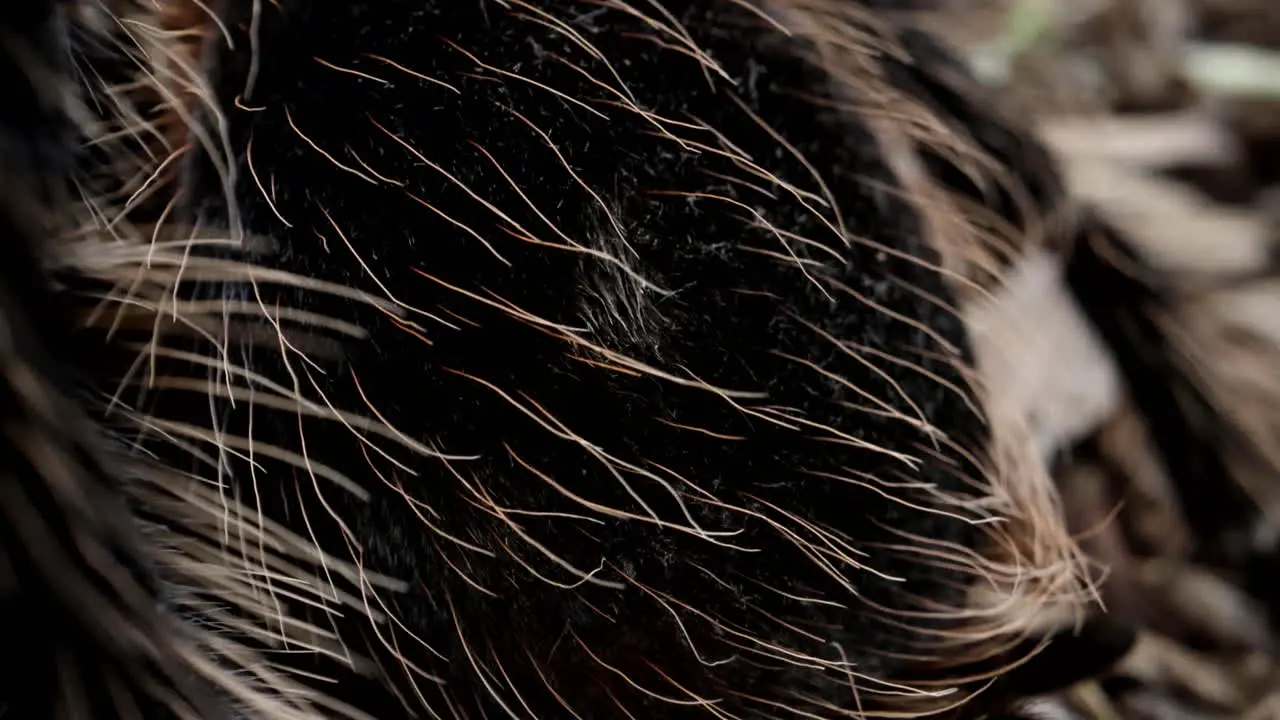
<point>1165,116</point>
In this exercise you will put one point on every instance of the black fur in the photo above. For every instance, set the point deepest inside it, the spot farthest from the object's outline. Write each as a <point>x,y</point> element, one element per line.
<point>686,627</point>
<point>728,317</point>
